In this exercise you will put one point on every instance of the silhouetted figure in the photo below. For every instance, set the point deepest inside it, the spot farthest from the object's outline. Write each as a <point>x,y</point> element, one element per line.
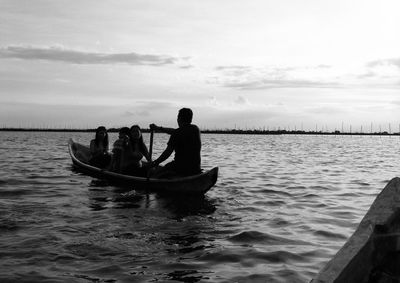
<point>186,143</point>
<point>137,142</point>
<point>121,149</point>
<point>99,149</point>
<point>138,151</point>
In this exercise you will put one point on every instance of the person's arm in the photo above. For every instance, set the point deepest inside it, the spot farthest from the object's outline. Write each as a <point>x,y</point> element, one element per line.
<point>156,128</point>
<point>164,156</point>
<point>145,152</point>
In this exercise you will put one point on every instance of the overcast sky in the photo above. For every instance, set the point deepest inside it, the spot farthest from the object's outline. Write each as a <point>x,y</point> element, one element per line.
<point>254,64</point>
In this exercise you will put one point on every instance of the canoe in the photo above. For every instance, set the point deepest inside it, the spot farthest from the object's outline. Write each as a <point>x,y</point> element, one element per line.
<point>372,253</point>
<point>196,184</point>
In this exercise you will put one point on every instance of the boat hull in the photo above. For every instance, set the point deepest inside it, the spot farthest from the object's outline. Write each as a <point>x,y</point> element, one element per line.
<point>372,253</point>
<point>196,184</point>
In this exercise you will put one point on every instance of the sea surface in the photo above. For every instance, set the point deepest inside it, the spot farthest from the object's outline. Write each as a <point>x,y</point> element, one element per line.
<point>282,207</point>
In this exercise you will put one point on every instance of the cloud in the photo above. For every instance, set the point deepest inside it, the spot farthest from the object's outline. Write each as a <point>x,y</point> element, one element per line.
<point>154,105</point>
<point>186,67</point>
<point>241,100</point>
<point>323,66</point>
<point>385,62</point>
<point>327,109</point>
<point>384,72</point>
<point>279,83</point>
<point>241,105</point>
<point>60,54</point>
<point>366,75</point>
<point>248,78</point>
<point>237,67</point>
<point>230,115</point>
<point>379,73</point>
<point>142,113</point>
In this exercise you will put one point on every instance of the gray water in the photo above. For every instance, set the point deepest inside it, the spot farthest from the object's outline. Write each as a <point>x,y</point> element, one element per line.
<point>282,207</point>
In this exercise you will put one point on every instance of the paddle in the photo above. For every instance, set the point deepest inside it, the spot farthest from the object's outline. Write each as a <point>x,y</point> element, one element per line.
<point>151,144</point>
<point>150,152</point>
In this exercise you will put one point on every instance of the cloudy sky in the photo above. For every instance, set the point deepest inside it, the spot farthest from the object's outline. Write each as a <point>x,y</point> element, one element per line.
<point>236,63</point>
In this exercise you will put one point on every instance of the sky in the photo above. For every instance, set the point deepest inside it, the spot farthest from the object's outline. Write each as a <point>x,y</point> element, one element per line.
<point>260,64</point>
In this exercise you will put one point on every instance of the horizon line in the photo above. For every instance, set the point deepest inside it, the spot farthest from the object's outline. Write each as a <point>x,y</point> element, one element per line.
<point>212,131</point>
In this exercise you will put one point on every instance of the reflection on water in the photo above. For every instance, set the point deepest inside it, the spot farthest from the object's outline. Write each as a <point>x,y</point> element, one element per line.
<point>283,205</point>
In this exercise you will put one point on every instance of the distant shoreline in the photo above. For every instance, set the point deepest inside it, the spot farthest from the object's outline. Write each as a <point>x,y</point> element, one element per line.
<point>227,131</point>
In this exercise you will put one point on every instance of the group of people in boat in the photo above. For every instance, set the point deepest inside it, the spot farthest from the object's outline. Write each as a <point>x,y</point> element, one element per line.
<point>129,150</point>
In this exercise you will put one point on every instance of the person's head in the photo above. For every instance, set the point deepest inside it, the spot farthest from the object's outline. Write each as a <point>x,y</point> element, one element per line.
<point>123,133</point>
<point>101,135</point>
<point>135,132</point>
<point>185,116</point>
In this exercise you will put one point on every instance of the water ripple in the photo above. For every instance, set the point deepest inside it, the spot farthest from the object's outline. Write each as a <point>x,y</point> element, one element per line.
<point>256,237</point>
<point>283,205</point>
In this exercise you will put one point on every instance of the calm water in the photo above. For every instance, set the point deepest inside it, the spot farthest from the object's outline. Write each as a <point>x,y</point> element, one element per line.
<point>282,207</point>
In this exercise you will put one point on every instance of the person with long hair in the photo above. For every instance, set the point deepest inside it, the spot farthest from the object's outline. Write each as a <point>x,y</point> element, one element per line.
<point>99,148</point>
<point>137,142</point>
<point>136,153</point>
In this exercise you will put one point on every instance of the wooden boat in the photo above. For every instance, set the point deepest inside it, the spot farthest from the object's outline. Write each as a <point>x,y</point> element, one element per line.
<point>196,184</point>
<point>372,253</point>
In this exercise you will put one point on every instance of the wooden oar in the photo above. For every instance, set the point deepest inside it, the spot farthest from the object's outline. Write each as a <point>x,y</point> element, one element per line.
<point>151,144</point>
<point>150,152</point>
